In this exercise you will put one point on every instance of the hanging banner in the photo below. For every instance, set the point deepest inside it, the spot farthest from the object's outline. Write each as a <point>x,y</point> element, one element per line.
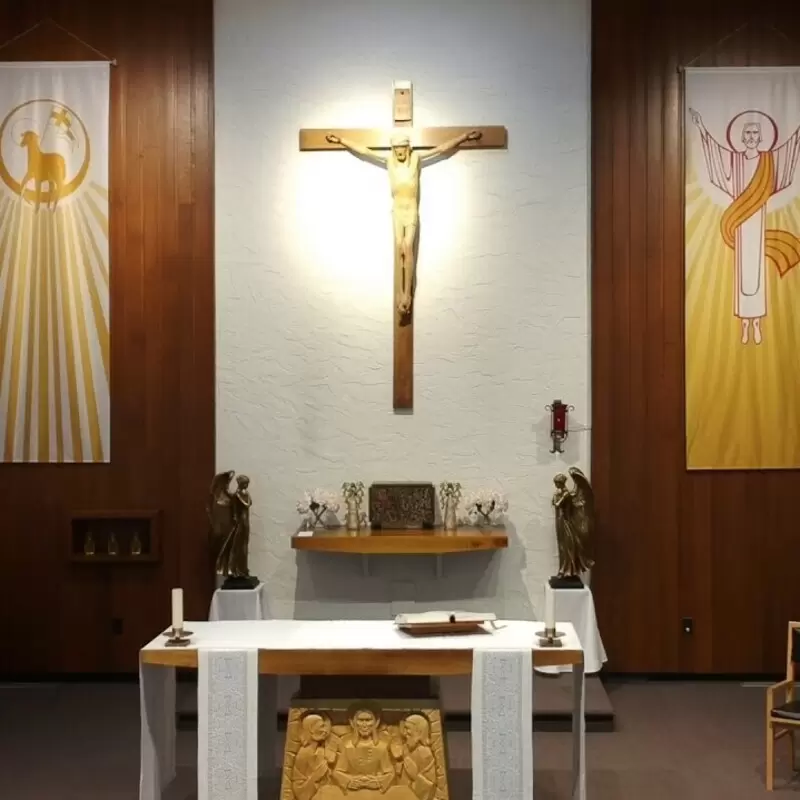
<point>54,254</point>
<point>742,300</point>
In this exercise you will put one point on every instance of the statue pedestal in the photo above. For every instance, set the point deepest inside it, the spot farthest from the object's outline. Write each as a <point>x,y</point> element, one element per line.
<point>238,604</point>
<point>573,582</point>
<point>241,583</point>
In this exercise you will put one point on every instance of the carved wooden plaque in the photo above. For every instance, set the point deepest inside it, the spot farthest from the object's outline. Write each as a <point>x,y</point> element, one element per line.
<point>370,750</point>
<point>402,505</point>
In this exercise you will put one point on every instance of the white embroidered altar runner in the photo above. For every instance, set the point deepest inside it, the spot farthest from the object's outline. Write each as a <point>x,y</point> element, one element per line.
<point>502,730</point>
<point>227,724</point>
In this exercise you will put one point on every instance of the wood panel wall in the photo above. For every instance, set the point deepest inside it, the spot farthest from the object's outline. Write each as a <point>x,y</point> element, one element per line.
<point>54,616</point>
<point>722,548</point>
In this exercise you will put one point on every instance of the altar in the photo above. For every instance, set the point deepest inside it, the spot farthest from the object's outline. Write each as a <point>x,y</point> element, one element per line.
<point>230,656</point>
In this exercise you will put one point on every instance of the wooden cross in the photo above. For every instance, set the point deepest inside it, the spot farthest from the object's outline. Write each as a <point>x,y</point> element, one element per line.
<point>491,137</point>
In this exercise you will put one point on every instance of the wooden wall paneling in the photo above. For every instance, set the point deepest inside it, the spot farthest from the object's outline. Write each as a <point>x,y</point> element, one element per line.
<point>199,319</point>
<point>680,535</point>
<point>608,545</point>
<point>714,546</point>
<point>666,464</point>
<point>162,346</point>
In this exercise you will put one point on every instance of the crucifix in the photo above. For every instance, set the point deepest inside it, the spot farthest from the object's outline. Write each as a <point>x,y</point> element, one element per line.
<point>404,164</point>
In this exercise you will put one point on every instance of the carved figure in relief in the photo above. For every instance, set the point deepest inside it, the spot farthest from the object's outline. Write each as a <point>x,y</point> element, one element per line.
<point>360,757</point>
<point>419,766</point>
<point>404,166</point>
<point>315,758</point>
<point>364,763</point>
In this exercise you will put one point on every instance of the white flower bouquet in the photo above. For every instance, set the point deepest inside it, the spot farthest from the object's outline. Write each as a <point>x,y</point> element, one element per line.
<point>485,507</point>
<point>316,504</point>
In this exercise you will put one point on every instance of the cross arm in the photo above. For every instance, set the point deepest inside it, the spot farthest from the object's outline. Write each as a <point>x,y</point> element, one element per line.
<point>492,137</point>
<point>372,138</point>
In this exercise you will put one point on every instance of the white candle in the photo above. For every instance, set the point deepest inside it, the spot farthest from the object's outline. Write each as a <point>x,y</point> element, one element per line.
<point>177,609</point>
<point>549,608</point>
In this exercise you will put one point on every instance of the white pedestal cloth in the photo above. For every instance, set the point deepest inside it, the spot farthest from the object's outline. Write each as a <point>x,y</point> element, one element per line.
<point>502,734</point>
<point>227,724</point>
<point>238,604</point>
<point>577,606</point>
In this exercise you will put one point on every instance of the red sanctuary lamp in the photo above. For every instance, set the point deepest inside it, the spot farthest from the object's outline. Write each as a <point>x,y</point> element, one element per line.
<point>559,424</point>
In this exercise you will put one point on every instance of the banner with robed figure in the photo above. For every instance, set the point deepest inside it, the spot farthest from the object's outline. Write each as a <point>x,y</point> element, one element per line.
<point>54,262</point>
<point>742,239</point>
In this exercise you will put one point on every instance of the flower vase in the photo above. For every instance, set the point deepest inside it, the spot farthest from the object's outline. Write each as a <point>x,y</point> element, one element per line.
<point>486,522</point>
<point>353,518</point>
<point>450,520</point>
<point>318,510</point>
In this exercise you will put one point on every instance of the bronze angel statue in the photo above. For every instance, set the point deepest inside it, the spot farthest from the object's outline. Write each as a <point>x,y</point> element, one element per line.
<point>229,515</point>
<point>574,526</point>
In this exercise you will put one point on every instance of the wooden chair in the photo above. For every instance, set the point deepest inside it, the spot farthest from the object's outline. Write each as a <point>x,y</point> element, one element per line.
<point>784,718</point>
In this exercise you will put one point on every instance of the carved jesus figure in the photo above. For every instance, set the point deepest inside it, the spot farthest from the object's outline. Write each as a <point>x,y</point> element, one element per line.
<point>404,166</point>
<point>751,176</point>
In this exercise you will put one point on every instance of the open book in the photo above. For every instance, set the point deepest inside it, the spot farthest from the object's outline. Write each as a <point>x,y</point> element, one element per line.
<point>444,621</point>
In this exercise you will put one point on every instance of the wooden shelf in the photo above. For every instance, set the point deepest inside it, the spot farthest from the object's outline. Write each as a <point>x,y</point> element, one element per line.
<point>396,542</point>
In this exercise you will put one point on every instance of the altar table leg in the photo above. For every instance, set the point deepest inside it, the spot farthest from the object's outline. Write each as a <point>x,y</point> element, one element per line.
<point>267,726</point>
<point>157,712</point>
<point>579,733</point>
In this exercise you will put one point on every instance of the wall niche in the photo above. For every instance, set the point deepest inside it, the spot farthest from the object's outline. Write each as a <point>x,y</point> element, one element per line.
<point>114,537</point>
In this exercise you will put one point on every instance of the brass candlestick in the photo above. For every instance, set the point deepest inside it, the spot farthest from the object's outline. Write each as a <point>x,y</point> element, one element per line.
<point>550,637</point>
<point>177,637</point>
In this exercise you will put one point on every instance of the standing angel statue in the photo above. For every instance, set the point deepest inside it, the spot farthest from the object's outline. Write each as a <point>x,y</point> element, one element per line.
<point>229,515</point>
<point>574,525</point>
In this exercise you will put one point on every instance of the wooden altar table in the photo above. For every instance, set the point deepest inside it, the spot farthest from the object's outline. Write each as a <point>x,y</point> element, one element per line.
<point>331,648</point>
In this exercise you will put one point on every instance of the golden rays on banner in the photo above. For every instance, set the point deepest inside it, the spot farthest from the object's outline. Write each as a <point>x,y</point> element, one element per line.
<point>54,270</point>
<point>742,238</point>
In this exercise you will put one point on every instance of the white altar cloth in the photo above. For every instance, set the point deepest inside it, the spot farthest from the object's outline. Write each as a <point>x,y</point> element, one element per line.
<point>296,634</point>
<point>359,637</point>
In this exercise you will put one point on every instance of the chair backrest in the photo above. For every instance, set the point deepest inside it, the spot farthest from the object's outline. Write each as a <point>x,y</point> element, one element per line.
<point>793,652</point>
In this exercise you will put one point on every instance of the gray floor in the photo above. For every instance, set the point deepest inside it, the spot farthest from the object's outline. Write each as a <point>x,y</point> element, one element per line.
<point>673,741</point>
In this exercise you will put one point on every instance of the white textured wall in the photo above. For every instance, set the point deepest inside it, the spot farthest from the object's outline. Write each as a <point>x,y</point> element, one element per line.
<point>304,280</point>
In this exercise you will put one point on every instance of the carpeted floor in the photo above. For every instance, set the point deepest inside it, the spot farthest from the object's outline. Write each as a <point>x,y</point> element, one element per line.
<point>673,741</point>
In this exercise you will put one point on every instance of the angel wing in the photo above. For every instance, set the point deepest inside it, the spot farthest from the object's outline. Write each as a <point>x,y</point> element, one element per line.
<point>583,505</point>
<point>219,507</point>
